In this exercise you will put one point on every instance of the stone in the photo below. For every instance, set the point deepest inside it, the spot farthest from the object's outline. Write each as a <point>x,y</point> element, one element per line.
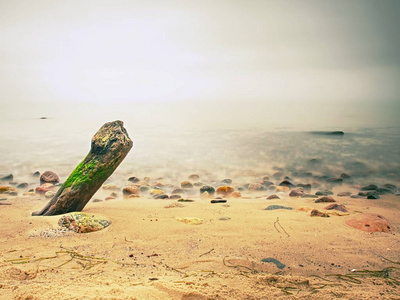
<point>286,183</point>
<point>186,184</point>
<point>370,223</point>
<point>267,183</point>
<point>390,186</point>
<point>323,193</point>
<point>130,190</point>
<point>265,177</point>
<point>274,207</point>
<point>194,177</point>
<point>109,147</point>
<point>8,190</point>
<point>175,196</point>
<point>36,174</point>
<point>225,190</point>
<point>305,187</point>
<point>207,188</point>
<point>226,181</point>
<point>83,223</point>
<point>373,195</point>
<point>133,179</point>
<point>270,197</point>
<point>161,196</point>
<point>235,194</point>
<point>324,199</point>
<point>296,193</point>
<point>45,187</point>
<point>111,187</point>
<point>22,185</point>
<point>345,176</point>
<point>178,191</point>
<point>344,194</point>
<point>317,213</point>
<point>384,191</point>
<point>370,187</point>
<point>336,206</point>
<point>49,194</point>
<point>218,201</point>
<point>49,177</point>
<point>363,194</point>
<point>256,187</point>
<point>8,177</point>
<point>309,196</point>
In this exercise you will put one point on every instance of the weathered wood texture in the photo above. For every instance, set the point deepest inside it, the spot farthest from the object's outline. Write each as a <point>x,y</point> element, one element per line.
<point>109,147</point>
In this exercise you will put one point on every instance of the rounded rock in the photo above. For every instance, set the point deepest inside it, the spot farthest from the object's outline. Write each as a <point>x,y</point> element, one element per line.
<point>207,188</point>
<point>225,190</point>
<point>130,190</point>
<point>186,184</point>
<point>49,177</point>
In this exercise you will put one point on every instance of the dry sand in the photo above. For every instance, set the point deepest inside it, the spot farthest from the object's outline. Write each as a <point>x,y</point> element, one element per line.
<point>147,254</point>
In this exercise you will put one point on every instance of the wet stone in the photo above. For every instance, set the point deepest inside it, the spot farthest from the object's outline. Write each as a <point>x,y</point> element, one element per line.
<point>274,207</point>
<point>207,188</point>
<point>344,194</point>
<point>286,183</point>
<point>390,186</point>
<point>324,193</point>
<point>83,223</point>
<point>226,181</point>
<point>133,179</point>
<point>270,197</point>
<point>336,206</point>
<point>23,185</point>
<point>161,196</point>
<point>8,177</point>
<point>363,194</point>
<point>49,177</point>
<point>324,199</point>
<point>371,187</point>
<point>225,190</point>
<point>36,174</point>
<point>373,195</point>
<point>383,191</point>
<point>305,187</point>
<point>296,193</point>
<point>186,184</point>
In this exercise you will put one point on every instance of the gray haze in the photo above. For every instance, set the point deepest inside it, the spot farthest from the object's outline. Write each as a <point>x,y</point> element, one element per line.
<point>333,62</point>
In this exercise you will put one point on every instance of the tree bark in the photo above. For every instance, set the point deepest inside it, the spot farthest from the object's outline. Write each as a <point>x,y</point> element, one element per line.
<point>109,147</point>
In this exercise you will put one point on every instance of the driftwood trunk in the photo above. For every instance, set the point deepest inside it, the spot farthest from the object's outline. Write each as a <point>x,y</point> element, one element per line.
<point>109,147</point>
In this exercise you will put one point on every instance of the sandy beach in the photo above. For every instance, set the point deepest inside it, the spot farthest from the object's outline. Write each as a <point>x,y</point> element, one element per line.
<point>147,253</point>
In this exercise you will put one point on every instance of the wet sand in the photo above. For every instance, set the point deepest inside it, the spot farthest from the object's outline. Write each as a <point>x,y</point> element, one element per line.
<point>146,253</point>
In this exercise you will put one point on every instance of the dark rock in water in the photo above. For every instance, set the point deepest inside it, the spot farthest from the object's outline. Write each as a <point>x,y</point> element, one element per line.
<point>336,206</point>
<point>355,196</point>
<point>325,199</point>
<point>218,201</point>
<point>345,176</point>
<point>23,185</point>
<point>363,194</point>
<point>309,196</point>
<point>373,195</point>
<point>344,194</point>
<point>273,207</point>
<point>317,213</point>
<point>328,133</point>
<point>286,183</point>
<point>370,223</point>
<point>175,196</point>
<point>226,181</point>
<point>161,196</point>
<point>8,177</point>
<point>49,177</point>
<point>275,262</point>
<point>335,180</point>
<point>83,223</point>
<point>270,197</point>
<point>323,193</point>
<point>133,179</point>
<point>296,193</point>
<point>306,187</point>
<point>36,174</point>
<point>9,190</point>
<point>371,187</point>
<point>390,186</point>
<point>207,188</point>
<point>383,191</point>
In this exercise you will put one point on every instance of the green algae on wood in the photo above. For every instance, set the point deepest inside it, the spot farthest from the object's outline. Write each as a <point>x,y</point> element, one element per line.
<point>109,147</point>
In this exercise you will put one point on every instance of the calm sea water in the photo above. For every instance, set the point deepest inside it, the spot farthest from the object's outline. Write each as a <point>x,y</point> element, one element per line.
<point>174,141</point>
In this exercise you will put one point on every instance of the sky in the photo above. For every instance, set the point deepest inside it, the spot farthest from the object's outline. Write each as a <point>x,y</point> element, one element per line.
<point>322,51</point>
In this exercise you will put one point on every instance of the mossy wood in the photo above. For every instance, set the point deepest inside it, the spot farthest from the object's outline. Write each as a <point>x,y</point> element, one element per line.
<point>109,147</point>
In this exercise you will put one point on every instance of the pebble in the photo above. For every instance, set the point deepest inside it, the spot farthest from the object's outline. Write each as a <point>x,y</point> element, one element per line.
<point>235,194</point>
<point>22,185</point>
<point>194,177</point>
<point>336,206</point>
<point>270,197</point>
<point>383,191</point>
<point>178,191</point>
<point>267,183</point>
<point>49,177</point>
<point>305,187</point>
<point>186,184</point>
<point>325,199</point>
<point>256,187</point>
<point>8,177</point>
<point>226,181</point>
<point>225,190</point>
<point>36,174</point>
<point>323,193</point>
<point>207,188</point>
<point>373,195</point>
<point>161,196</point>
<point>371,187</point>
<point>344,194</point>
<point>175,196</point>
<point>391,187</point>
<point>274,207</point>
<point>133,179</point>
<point>83,223</point>
<point>9,190</point>
<point>131,190</point>
<point>296,193</point>
<point>317,213</point>
<point>286,183</point>
<point>218,201</point>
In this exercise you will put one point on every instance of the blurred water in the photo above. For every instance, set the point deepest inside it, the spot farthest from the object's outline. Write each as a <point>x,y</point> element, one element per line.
<point>176,141</point>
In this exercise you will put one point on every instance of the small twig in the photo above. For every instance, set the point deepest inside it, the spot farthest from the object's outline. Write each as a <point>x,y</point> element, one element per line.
<point>207,252</point>
<point>277,222</point>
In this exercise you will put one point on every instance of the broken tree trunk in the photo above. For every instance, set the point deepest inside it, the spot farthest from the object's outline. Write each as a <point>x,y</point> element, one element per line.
<point>109,147</point>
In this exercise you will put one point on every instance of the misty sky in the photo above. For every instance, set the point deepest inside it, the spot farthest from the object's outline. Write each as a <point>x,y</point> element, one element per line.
<point>261,51</point>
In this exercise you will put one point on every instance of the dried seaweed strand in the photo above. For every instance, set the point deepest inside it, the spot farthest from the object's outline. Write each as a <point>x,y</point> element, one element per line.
<point>277,222</point>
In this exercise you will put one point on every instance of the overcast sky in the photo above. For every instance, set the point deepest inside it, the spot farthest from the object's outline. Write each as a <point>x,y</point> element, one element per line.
<point>237,50</point>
